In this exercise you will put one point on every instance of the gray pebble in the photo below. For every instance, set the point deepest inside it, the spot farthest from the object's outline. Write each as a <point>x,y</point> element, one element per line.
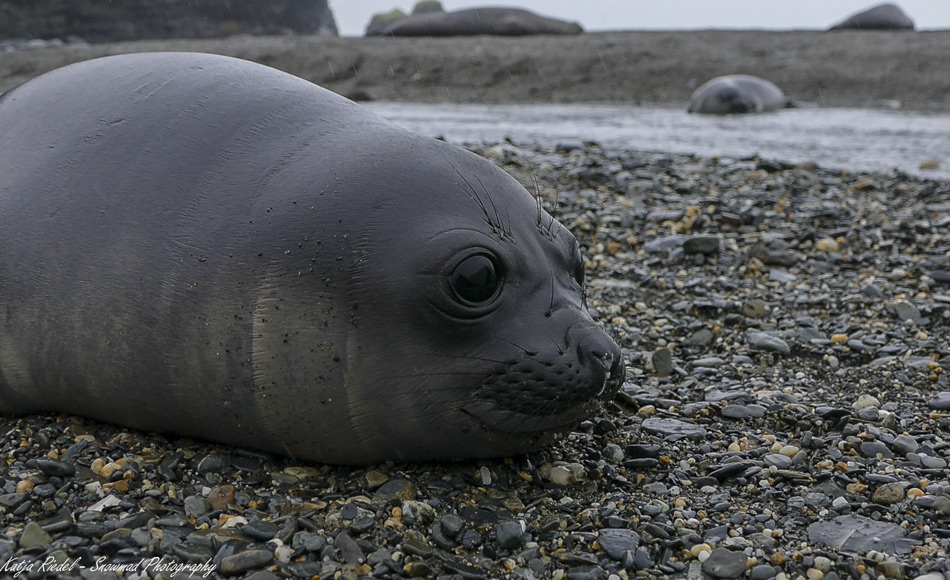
<point>941,402</point>
<point>759,340</point>
<point>33,536</point>
<point>616,542</point>
<point>244,561</point>
<point>350,552</point>
<point>725,563</point>
<point>904,444</point>
<point>763,572</point>
<point>672,427</point>
<point>508,535</point>
<point>214,463</point>
<point>55,467</point>
<point>197,506</point>
<point>907,311</point>
<point>663,362</point>
<point>701,245</point>
<point>777,460</point>
<point>873,449</point>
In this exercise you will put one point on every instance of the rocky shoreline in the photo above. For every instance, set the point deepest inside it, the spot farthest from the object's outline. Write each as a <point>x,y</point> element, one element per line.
<point>834,69</point>
<point>785,416</point>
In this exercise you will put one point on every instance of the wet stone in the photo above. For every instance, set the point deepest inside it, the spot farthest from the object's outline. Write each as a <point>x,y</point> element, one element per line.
<point>395,491</point>
<point>197,506</point>
<point>260,530</point>
<point>941,402</point>
<point>214,463</point>
<point>261,575</point>
<point>725,563</point>
<point>55,468</point>
<point>417,547</point>
<point>777,460</point>
<point>873,449</point>
<point>855,533</point>
<point>710,362</point>
<point>931,462</point>
<point>221,496</point>
<point>759,340</point>
<point>244,561</point>
<point>755,308</point>
<point>701,245</point>
<point>643,451</point>
<point>672,428</point>
<point>33,537</point>
<point>451,524</point>
<point>12,500</point>
<point>350,551</point>
<point>508,535</point>
<point>702,337</point>
<point>735,412</point>
<point>907,311</point>
<point>889,493</point>
<point>618,541</point>
<point>762,572</point>
<point>663,362</point>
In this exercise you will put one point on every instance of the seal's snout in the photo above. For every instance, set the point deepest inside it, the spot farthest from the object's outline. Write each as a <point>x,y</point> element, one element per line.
<point>602,358</point>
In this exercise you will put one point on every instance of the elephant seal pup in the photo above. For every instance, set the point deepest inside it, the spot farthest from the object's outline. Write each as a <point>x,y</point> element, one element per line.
<point>881,17</point>
<point>734,94</point>
<point>200,245</point>
<point>473,21</point>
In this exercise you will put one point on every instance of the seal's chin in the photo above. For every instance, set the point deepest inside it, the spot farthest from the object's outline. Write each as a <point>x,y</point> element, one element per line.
<point>508,421</point>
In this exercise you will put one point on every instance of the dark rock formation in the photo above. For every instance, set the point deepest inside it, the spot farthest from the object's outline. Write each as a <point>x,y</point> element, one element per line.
<point>97,21</point>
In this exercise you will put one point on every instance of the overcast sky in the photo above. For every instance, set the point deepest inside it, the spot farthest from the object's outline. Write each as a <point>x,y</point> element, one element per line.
<point>353,15</point>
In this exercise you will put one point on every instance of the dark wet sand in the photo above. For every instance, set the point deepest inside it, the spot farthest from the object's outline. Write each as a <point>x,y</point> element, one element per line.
<point>839,69</point>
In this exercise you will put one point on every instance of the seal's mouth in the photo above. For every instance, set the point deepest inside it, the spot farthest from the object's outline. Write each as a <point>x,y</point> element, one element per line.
<point>505,420</point>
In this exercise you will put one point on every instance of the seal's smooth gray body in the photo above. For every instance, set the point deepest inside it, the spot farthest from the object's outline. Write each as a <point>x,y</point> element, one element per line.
<point>473,21</point>
<point>736,94</point>
<point>200,245</point>
<point>886,16</point>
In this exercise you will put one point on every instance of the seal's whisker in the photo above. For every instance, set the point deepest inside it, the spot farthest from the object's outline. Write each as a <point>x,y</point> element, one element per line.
<point>526,352</point>
<point>472,193</point>
<point>504,229</point>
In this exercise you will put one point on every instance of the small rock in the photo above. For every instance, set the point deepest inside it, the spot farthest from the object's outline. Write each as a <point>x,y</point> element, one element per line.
<point>826,245</point>
<point>55,467</point>
<point>33,537</point>
<point>724,563</point>
<point>663,362</point>
<point>701,245</point>
<point>395,491</point>
<point>672,427</point>
<point>759,340</point>
<point>889,493</point>
<point>508,535</point>
<point>616,542</point>
<point>244,561</point>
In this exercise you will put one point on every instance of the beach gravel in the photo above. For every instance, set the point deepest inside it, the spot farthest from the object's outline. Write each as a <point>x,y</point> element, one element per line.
<point>796,425</point>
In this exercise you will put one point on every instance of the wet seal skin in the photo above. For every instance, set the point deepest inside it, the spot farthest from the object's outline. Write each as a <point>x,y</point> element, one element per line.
<point>200,245</point>
<point>737,94</point>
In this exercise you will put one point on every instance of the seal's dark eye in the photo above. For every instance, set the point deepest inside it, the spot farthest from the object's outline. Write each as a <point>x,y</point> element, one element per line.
<point>476,278</point>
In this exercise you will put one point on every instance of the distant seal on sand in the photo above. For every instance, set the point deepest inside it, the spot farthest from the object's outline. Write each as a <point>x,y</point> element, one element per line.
<point>881,17</point>
<point>200,245</point>
<point>734,94</point>
<point>473,21</point>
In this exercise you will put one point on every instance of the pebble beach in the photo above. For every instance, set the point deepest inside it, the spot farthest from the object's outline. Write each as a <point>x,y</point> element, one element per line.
<point>786,413</point>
